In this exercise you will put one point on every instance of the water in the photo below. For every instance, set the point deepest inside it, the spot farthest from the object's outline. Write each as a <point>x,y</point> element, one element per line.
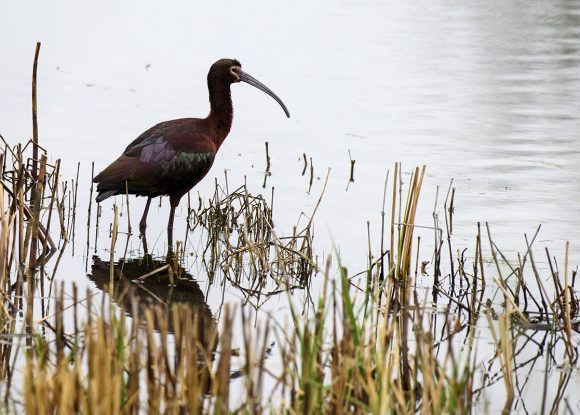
<point>484,93</point>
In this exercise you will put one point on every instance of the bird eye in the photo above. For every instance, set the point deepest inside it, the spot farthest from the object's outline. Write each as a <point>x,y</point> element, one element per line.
<point>235,70</point>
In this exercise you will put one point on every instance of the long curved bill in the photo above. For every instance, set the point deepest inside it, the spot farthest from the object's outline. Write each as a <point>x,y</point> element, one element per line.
<point>244,77</point>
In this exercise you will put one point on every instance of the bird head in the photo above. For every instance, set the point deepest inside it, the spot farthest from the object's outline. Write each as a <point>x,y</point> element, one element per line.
<point>225,70</point>
<point>230,71</point>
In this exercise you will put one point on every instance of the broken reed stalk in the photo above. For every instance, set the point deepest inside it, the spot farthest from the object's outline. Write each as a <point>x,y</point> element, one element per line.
<point>403,266</point>
<point>114,230</point>
<point>74,203</point>
<point>352,163</point>
<point>89,210</point>
<point>383,253</point>
<point>33,201</point>
<point>34,117</point>
<point>393,207</point>
<point>568,293</point>
<point>47,251</point>
<point>267,158</point>
<point>7,246</point>
<point>448,214</point>
<point>128,209</point>
<point>311,176</point>
<point>31,239</point>
<point>503,344</point>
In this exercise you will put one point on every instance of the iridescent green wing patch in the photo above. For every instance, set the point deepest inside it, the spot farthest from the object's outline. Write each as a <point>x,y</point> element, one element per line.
<point>197,158</point>
<point>191,164</point>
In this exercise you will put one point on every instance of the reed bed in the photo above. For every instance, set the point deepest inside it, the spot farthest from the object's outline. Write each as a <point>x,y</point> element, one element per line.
<point>380,347</point>
<point>36,208</point>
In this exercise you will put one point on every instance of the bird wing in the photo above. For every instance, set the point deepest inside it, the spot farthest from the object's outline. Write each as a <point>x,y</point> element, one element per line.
<point>152,140</point>
<point>168,156</point>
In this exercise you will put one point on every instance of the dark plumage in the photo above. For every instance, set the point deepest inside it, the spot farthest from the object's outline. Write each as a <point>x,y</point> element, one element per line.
<point>173,156</point>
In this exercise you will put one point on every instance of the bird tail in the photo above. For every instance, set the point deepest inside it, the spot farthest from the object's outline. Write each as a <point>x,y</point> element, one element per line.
<point>105,194</point>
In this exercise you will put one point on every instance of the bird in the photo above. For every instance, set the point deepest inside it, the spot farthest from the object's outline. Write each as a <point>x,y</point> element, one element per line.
<point>171,157</point>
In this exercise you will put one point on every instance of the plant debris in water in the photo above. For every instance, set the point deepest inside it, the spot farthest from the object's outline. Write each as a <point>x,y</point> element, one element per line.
<point>241,241</point>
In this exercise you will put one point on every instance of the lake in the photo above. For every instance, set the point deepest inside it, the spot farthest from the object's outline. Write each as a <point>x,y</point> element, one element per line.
<point>485,94</point>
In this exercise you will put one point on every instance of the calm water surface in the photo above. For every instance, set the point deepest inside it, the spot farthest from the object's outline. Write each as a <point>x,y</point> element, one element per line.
<point>484,93</point>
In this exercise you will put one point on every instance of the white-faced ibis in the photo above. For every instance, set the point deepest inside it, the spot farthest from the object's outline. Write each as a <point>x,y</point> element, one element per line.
<point>173,156</point>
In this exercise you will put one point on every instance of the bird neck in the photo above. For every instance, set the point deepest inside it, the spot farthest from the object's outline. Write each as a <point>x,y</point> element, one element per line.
<point>222,111</point>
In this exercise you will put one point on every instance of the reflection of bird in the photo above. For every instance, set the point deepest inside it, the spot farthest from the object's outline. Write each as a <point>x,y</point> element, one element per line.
<point>173,156</point>
<point>156,290</point>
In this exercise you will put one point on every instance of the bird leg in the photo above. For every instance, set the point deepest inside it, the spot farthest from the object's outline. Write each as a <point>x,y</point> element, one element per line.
<point>143,223</point>
<point>144,240</point>
<point>170,228</point>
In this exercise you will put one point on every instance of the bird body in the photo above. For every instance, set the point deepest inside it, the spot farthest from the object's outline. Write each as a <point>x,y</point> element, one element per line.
<point>173,156</point>
<point>166,160</point>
